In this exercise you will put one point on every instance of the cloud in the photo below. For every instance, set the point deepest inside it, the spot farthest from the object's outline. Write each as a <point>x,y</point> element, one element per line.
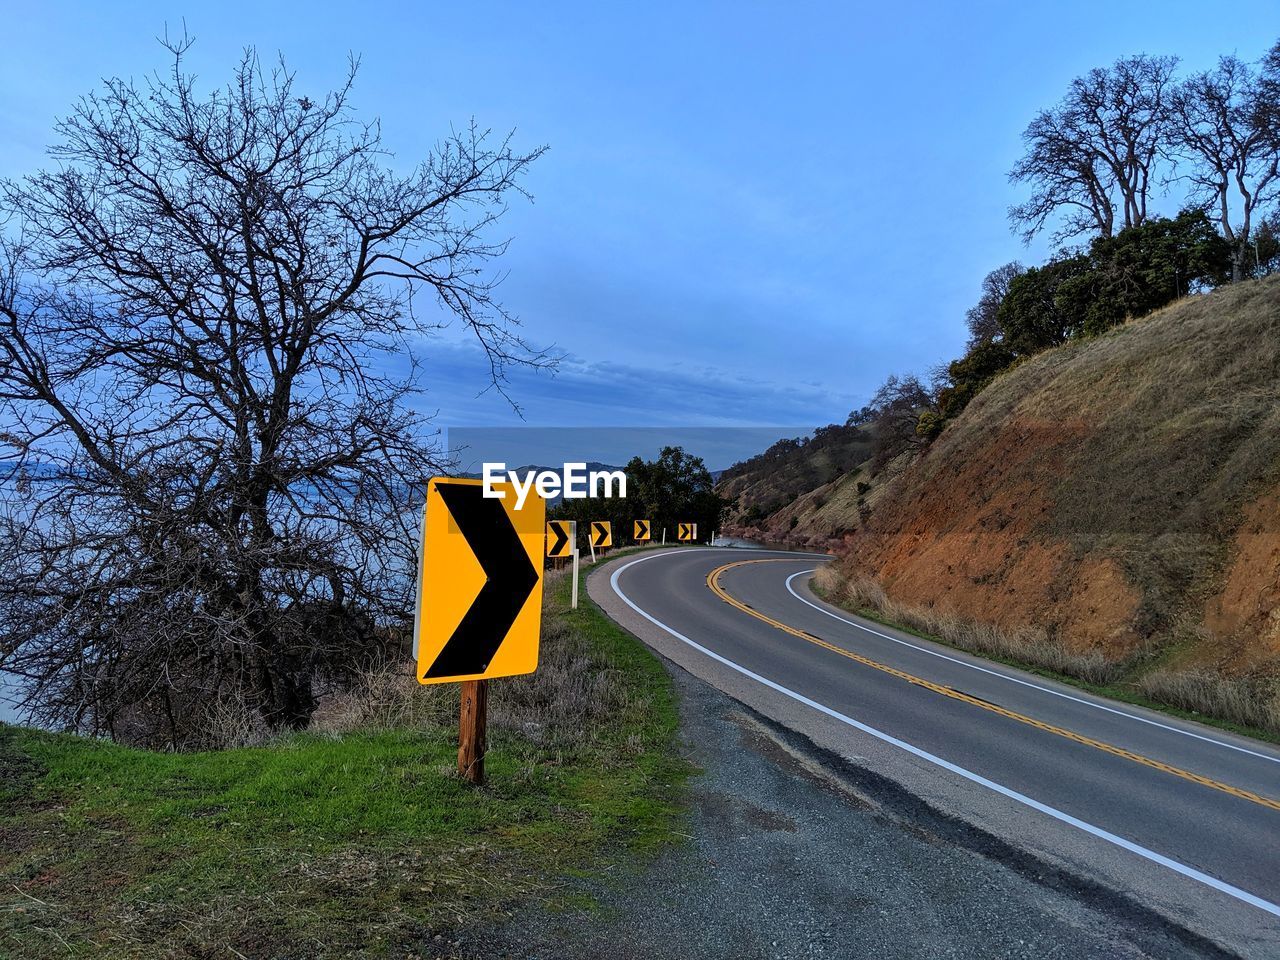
<point>609,411</point>
<point>587,392</point>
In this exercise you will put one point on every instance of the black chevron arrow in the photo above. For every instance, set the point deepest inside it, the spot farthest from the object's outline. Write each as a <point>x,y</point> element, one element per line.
<point>562,537</point>
<point>643,531</point>
<point>597,533</point>
<point>510,579</point>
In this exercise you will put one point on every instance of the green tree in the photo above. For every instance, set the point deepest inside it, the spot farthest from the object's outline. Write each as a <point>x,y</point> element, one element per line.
<point>1264,251</point>
<point>1138,270</point>
<point>674,488</point>
<point>967,377</point>
<point>1033,316</point>
<point>1144,268</point>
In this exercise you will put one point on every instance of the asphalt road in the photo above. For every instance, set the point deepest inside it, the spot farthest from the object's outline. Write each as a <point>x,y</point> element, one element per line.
<point>1179,820</point>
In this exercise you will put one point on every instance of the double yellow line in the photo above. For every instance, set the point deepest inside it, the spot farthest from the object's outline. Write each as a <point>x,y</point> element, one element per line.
<point>713,582</point>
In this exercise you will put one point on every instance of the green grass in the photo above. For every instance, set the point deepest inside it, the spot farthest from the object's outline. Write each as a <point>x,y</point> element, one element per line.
<point>359,844</point>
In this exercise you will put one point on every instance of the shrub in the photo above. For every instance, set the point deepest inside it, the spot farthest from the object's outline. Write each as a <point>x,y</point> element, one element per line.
<point>1145,268</point>
<point>930,424</point>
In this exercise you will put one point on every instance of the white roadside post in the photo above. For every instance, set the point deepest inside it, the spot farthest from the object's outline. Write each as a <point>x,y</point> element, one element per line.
<point>575,576</point>
<point>591,542</point>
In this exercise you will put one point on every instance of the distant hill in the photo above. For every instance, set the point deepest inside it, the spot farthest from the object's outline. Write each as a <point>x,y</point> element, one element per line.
<point>1116,497</point>
<point>807,491</point>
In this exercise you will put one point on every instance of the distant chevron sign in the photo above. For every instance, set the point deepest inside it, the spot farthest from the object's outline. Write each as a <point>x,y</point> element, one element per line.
<point>561,536</point>
<point>642,532</point>
<point>480,587</point>
<point>686,531</point>
<point>601,533</point>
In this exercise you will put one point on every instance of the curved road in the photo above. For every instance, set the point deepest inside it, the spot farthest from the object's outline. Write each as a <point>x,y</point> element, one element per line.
<point>1179,819</point>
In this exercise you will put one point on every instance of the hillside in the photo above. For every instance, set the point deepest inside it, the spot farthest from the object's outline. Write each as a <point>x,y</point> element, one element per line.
<point>1114,499</point>
<point>814,480</point>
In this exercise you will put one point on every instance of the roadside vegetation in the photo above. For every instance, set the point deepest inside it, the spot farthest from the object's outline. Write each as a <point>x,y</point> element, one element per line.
<point>211,474</point>
<point>356,838</point>
<point>1116,498</point>
<point>1248,705</point>
<point>213,455</point>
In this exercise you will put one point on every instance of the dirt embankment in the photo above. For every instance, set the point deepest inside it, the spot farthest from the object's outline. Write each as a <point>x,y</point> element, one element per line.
<point>966,542</point>
<point>1119,495</point>
<point>1244,613</point>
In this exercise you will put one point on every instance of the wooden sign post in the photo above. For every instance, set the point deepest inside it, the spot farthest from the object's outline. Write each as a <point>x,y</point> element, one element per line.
<point>471,730</point>
<point>479,610</point>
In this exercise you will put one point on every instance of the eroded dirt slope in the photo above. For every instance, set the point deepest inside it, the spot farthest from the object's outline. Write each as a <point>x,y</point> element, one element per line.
<point>1121,494</point>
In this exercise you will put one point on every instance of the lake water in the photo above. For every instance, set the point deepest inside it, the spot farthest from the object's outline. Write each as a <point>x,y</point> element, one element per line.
<point>8,712</point>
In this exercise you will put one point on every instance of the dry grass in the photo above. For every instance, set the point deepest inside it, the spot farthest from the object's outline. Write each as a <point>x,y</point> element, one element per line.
<point>569,700</point>
<point>573,699</point>
<point>1252,702</point>
<point>1249,701</point>
<point>1096,495</point>
<point>386,698</point>
<point>1149,441</point>
<point>1029,645</point>
<point>233,724</point>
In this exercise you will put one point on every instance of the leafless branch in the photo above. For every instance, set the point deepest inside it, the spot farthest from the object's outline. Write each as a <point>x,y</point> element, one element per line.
<point>209,459</point>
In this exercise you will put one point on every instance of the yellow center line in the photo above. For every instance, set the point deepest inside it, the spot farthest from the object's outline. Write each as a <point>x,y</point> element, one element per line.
<point>713,582</point>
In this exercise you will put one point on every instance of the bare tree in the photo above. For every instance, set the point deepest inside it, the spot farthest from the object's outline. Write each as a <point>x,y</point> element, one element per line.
<point>1268,97</point>
<point>1226,131</point>
<point>982,318</point>
<point>897,406</point>
<point>1091,159</point>
<point>1068,178</point>
<point>209,309</point>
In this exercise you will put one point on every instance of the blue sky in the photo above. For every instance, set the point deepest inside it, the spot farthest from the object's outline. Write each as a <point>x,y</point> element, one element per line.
<point>750,213</point>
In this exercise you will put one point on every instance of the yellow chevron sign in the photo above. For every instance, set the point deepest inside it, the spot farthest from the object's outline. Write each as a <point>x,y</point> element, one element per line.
<point>480,587</point>
<point>642,531</point>
<point>686,531</point>
<point>561,536</point>
<point>601,533</point>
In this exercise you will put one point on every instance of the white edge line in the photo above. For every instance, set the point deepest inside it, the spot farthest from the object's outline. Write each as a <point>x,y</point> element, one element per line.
<point>1181,868</point>
<point>1025,683</point>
